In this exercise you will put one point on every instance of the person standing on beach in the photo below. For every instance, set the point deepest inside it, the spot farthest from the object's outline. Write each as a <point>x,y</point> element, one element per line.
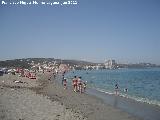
<point>84,86</point>
<point>62,79</point>
<point>65,83</point>
<point>74,83</point>
<point>116,88</point>
<point>79,85</point>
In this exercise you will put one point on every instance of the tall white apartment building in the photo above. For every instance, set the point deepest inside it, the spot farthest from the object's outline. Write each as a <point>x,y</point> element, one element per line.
<point>110,64</point>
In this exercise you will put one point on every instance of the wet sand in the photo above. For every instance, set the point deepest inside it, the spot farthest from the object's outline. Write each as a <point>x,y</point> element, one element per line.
<point>142,110</point>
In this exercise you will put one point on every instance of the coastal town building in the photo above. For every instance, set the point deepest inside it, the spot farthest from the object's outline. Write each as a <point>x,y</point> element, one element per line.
<point>110,64</point>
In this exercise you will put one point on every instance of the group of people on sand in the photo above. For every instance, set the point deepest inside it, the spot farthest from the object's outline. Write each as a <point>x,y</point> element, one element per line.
<point>78,84</point>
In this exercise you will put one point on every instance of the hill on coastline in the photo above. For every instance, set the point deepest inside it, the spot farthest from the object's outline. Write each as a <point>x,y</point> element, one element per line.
<point>26,62</point>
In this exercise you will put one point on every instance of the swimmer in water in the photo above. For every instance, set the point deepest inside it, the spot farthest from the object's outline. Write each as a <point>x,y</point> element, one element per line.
<point>125,90</point>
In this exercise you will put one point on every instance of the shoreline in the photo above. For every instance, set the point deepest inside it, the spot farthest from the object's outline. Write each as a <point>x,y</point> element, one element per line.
<point>143,110</point>
<point>76,106</point>
<point>137,99</point>
<point>136,108</point>
<point>89,106</point>
<point>141,85</point>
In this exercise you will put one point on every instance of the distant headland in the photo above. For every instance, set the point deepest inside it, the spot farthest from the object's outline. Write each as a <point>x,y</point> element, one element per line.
<point>73,64</point>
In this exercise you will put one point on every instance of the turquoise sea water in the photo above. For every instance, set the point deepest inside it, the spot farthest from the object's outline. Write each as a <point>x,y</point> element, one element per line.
<point>142,84</point>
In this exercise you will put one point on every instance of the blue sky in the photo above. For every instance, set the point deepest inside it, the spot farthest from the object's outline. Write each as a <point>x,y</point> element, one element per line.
<point>93,30</point>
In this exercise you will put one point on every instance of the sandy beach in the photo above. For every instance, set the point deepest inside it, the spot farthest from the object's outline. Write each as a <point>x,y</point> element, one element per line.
<point>42,99</point>
<point>89,106</point>
<point>19,101</point>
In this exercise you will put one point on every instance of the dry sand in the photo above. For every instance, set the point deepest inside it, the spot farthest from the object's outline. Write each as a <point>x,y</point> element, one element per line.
<point>19,102</point>
<point>47,100</point>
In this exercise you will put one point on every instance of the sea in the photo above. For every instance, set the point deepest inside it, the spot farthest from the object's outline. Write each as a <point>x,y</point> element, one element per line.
<point>142,85</point>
